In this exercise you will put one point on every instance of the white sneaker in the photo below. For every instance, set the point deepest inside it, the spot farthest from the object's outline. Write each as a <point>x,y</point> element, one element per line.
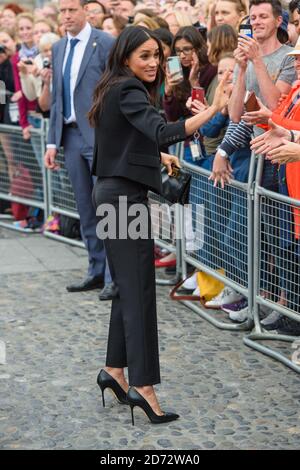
<point>239,316</point>
<point>271,318</point>
<point>190,283</point>
<point>197,291</point>
<point>226,296</point>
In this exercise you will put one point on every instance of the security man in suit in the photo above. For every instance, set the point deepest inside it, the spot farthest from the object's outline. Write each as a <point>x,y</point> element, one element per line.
<point>79,59</point>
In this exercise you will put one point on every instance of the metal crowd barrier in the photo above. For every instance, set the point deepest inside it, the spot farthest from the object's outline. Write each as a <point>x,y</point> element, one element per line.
<point>166,231</point>
<point>222,221</point>
<point>22,172</point>
<point>166,222</point>
<point>61,199</point>
<point>244,229</point>
<point>276,269</point>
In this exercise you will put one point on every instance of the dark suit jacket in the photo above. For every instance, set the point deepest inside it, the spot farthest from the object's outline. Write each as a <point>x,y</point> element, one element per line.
<point>130,134</point>
<point>92,66</point>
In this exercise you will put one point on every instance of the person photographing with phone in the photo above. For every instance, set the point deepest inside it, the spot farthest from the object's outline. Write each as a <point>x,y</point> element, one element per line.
<point>262,63</point>
<point>128,166</point>
<point>188,68</point>
<point>36,81</point>
<point>27,53</point>
<point>280,145</point>
<point>216,126</point>
<point>262,67</point>
<point>265,69</point>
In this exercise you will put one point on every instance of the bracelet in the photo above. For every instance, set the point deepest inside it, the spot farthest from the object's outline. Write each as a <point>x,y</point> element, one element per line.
<point>292,136</point>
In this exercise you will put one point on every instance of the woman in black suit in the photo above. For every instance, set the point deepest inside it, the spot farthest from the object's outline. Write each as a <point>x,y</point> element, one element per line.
<point>129,132</point>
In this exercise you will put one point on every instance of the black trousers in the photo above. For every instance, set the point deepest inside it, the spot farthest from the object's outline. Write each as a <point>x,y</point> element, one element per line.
<point>133,337</point>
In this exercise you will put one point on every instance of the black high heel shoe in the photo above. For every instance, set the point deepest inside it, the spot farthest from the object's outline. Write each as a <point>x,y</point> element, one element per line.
<point>104,381</point>
<point>134,398</point>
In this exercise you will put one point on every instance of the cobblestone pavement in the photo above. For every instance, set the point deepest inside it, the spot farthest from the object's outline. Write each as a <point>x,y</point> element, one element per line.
<point>228,396</point>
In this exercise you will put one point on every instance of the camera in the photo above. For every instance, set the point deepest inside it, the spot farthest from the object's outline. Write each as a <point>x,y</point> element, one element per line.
<point>46,63</point>
<point>2,49</point>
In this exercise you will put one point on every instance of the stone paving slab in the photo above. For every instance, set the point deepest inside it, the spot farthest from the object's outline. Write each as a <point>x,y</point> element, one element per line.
<point>34,253</point>
<point>228,396</point>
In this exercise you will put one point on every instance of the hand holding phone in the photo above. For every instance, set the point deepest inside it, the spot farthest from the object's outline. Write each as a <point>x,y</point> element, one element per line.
<point>198,94</point>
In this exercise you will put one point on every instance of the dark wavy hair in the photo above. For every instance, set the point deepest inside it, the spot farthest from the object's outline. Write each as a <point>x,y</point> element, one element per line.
<point>192,35</point>
<point>116,71</point>
<point>195,38</point>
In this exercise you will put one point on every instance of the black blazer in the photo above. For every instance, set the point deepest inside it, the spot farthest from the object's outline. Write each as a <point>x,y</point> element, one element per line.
<point>130,134</point>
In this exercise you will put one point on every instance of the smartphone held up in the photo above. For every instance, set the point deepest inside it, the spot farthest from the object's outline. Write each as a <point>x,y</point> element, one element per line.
<point>246,30</point>
<point>174,68</point>
<point>198,93</point>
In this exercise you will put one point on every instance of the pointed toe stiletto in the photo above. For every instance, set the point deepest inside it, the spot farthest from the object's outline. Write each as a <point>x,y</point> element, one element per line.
<point>134,398</point>
<point>104,381</point>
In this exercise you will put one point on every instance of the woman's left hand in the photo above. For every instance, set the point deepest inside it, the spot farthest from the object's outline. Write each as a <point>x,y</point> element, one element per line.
<point>198,106</point>
<point>194,72</point>
<point>168,161</point>
<point>287,153</point>
<point>195,106</point>
<point>27,69</point>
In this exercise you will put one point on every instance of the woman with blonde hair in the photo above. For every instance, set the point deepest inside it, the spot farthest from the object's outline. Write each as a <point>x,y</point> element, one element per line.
<point>220,40</point>
<point>24,57</point>
<point>113,24</point>
<point>42,26</point>
<point>32,83</point>
<point>229,12</point>
<point>146,21</point>
<point>177,20</point>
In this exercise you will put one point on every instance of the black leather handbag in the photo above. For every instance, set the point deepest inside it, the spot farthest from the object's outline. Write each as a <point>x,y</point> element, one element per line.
<point>176,187</point>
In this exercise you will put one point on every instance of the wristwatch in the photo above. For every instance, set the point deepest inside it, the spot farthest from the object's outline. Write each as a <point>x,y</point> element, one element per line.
<point>222,153</point>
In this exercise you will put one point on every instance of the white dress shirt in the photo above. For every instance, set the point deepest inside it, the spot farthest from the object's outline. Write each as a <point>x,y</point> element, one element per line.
<point>83,37</point>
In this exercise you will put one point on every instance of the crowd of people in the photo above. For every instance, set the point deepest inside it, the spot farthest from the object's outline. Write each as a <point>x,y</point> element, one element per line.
<point>205,36</point>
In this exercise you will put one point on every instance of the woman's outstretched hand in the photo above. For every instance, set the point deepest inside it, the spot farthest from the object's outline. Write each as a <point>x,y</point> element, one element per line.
<point>270,140</point>
<point>168,161</point>
<point>289,152</point>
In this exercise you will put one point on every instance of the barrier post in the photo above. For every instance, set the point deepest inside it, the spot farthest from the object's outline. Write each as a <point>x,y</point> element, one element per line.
<point>288,270</point>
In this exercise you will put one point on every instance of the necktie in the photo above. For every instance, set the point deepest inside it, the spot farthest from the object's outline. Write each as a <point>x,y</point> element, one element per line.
<point>67,80</point>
